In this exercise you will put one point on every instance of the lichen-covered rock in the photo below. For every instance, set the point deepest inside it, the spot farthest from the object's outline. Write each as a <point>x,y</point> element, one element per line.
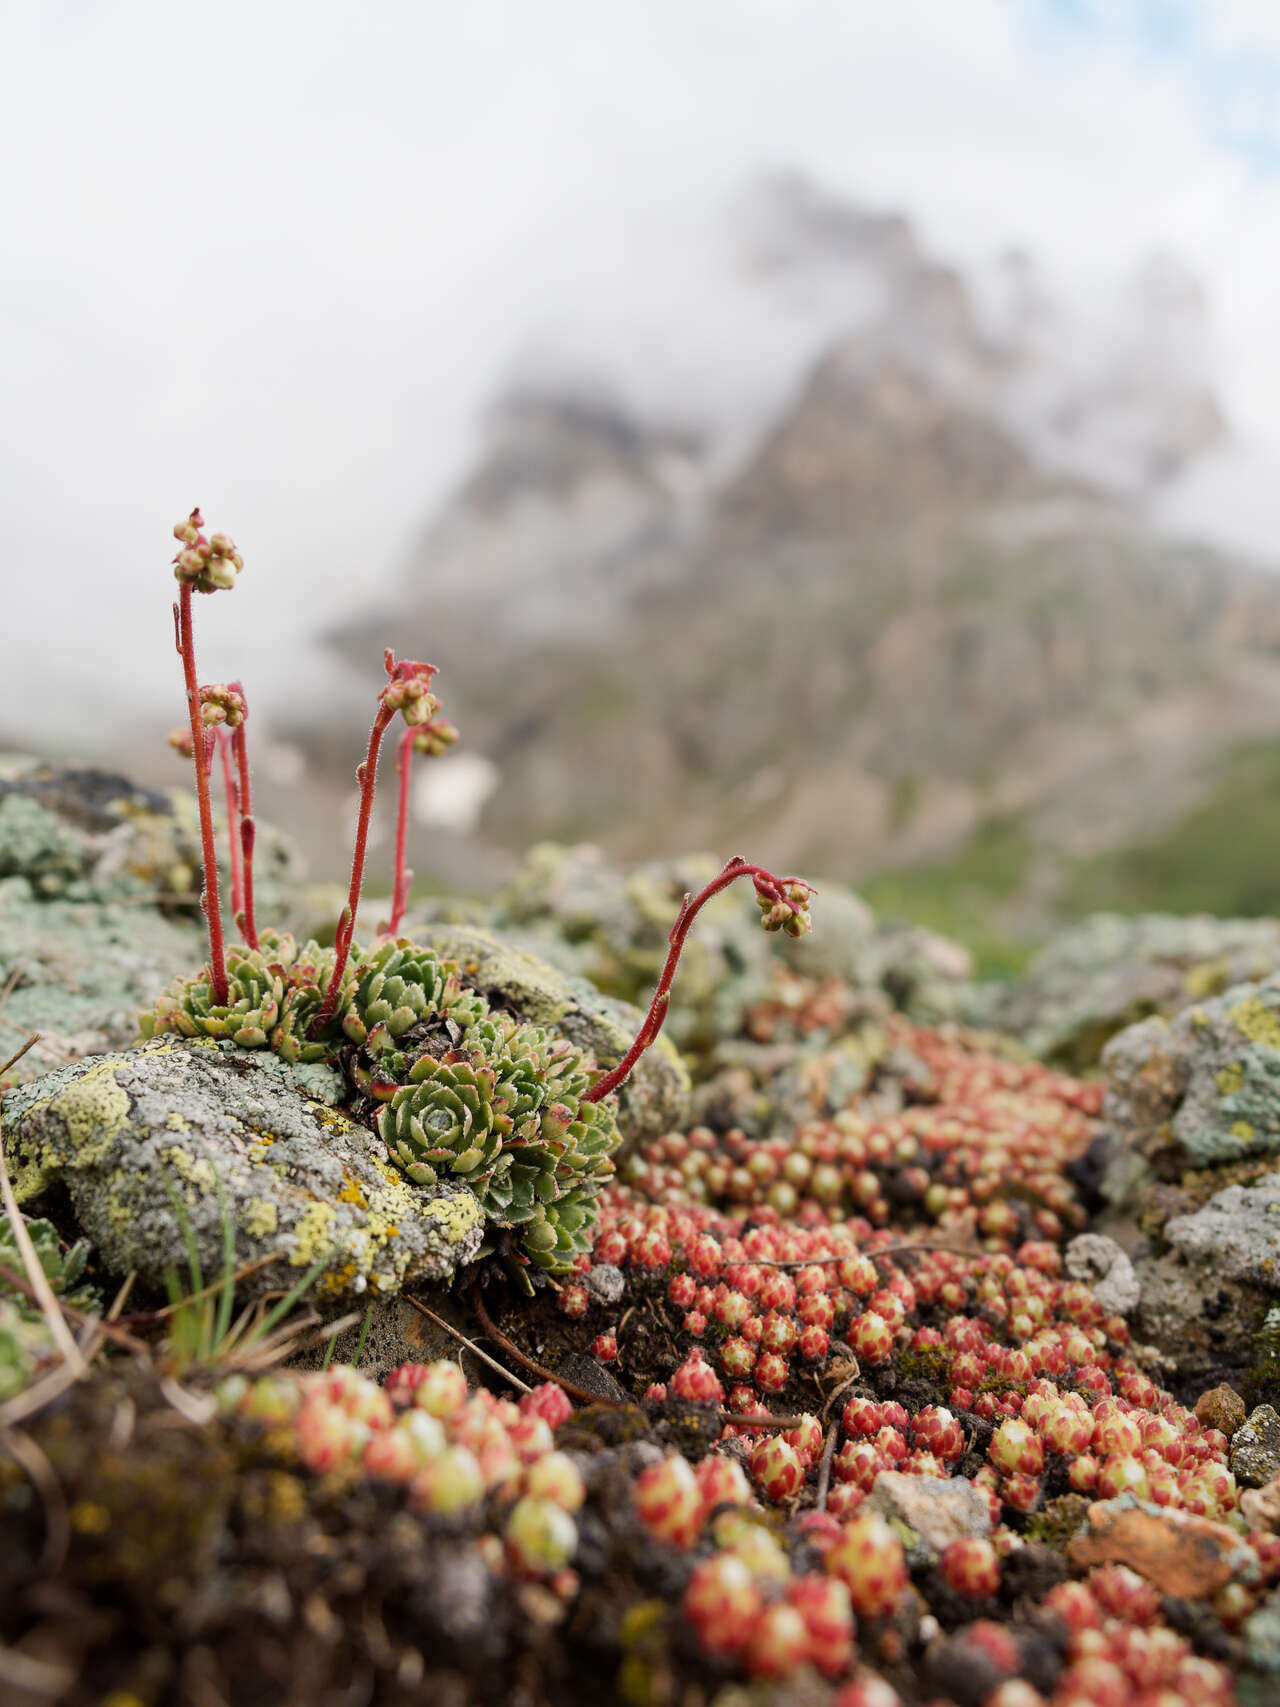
<point>226,1133</point>
<point>1110,971</point>
<point>654,1099</point>
<point>91,835</point>
<point>98,904</point>
<point>936,1509</point>
<point>1199,1091</point>
<point>78,971</point>
<point>1255,1448</point>
<point>588,916</point>
<point>1201,1298</point>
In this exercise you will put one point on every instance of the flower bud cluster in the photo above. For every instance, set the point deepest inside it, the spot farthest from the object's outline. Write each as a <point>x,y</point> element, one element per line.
<point>210,565</point>
<point>221,704</point>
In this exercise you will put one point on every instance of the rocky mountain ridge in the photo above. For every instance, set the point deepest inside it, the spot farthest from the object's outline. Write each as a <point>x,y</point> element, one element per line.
<point>922,593</point>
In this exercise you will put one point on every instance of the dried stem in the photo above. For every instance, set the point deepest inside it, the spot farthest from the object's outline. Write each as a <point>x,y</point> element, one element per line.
<point>39,1280</point>
<point>367,777</point>
<point>471,1346</point>
<point>210,900</point>
<point>690,907</point>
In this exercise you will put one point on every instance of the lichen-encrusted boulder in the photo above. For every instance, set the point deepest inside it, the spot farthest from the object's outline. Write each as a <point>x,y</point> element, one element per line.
<point>653,1100</point>
<point>92,835</point>
<point>98,904</point>
<point>228,1133</point>
<point>1199,1091</point>
<point>1202,1298</point>
<point>1255,1448</point>
<point>78,971</point>
<point>1110,971</point>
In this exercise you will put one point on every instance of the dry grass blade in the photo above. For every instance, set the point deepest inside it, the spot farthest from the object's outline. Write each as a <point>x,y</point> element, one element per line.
<point>41,1048</point>
<point>471,1346</point>
<point>62,1336</point>
<point>35,1677</point>
<point>57,1524</point>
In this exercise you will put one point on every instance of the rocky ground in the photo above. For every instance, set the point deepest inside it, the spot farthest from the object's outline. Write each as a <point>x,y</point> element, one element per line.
<point>925,1347</point>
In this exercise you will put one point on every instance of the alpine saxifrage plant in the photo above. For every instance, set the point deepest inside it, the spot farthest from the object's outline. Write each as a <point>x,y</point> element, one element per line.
<point>453,1087</point>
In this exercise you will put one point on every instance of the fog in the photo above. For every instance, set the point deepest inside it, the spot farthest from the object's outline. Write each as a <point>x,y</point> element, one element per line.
<point>277,261</point>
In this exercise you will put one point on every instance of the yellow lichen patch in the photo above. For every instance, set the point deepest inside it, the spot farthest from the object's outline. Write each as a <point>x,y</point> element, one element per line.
<point>1256,1021</point>
<point>198,1172</point>
<point>336,1280</point>
<point>259,1218</point>
<point>175,1122</point>
<point>87,1518</point>
<point>456,1215</point>
<point>1229,1079</point>
<point>350,1192</point>
<point>1204,980</point>
<point>313,1236</point>
<point>1242,1129</point>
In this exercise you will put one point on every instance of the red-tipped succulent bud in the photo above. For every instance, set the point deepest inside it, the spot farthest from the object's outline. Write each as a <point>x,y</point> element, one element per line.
<point>1016,1448</point>
<point>669,1501</point>
<point>871,1563</point>
<point>541,1537</point>
<point>970,1566</point>
<point>697,1381</point>
<point>722,1481</point>
<point>779,1643</point>
<point>823,1603</point>
<point>777,1469</point>
<point>722,1604</point>
<point>550,1402</point>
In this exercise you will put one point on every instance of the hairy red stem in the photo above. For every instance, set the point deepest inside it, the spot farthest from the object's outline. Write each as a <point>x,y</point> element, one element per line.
<point>367,777</point>
<point>403,876</point>
<point>245,918</point>
<point>690,907</point>
<point>210,901</point>
<point>233,824</point>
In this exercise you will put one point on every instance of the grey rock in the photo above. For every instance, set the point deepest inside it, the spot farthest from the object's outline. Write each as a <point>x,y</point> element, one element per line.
<point>1237,1232</point>
<point>1204,1088</point>
<point>1201,1298</point>
<point>227,1135</point>
<point>606,1283</point>
<point>1105,1267</point>
<point>1111,971</point>
<point>1255,1448</point>
<point>936,1508</point>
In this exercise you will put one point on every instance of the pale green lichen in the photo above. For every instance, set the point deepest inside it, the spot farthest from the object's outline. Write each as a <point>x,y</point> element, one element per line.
<point>260,1218</point>
<point>1257,1021</point>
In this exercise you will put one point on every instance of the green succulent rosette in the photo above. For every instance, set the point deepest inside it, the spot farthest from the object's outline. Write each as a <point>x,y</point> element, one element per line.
<point>306,981</point>
<point>446,1121</point>
<point>506,1116</point>
<point>396,987</point>
<point>256,983</point>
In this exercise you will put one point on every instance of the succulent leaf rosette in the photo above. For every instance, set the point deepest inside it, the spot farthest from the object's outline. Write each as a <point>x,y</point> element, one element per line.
<point>256,982</point>
<point>506,1123</point>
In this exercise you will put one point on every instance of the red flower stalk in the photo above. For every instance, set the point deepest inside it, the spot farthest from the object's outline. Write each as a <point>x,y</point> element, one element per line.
<point>408,692</point>
<point>244,915</point>
<point>434,737</point>
<point>233,814</point>
<point>209,565</point>
<point>784,905</point>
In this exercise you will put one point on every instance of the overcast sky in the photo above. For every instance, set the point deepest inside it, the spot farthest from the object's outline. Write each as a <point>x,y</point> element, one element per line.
<point>275,258</point>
